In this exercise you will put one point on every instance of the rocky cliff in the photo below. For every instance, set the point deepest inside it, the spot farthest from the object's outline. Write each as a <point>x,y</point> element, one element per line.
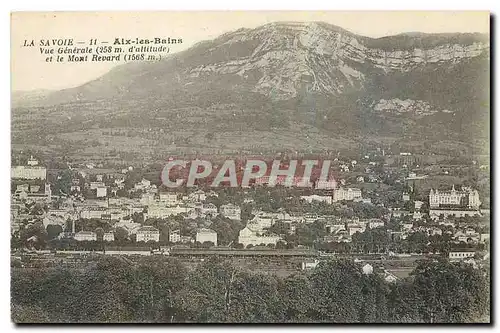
<point>284,57</point>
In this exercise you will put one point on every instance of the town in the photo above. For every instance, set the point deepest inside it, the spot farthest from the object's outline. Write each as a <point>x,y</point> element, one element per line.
<point>379,205</point>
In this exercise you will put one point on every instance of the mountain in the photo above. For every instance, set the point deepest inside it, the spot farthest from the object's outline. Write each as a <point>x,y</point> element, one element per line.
<point>322,84</point>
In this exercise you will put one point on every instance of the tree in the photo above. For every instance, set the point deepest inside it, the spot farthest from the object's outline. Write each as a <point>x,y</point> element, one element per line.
<point>341,299</point>
<point>298,299</point>
<point>451,292</point>
<point>53,230</point>
<point>226,229</point>
<point>138,217</point>
<point>208,296</point>
<point>121,234</point>
<point>207,244</point>
<point>37,232</point>
<point>99,233</point>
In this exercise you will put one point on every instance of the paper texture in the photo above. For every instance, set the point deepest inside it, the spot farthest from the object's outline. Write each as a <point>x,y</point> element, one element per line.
<point>250,167</point>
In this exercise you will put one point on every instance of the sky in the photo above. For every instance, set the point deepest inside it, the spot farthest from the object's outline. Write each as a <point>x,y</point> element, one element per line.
<point>30,71</point>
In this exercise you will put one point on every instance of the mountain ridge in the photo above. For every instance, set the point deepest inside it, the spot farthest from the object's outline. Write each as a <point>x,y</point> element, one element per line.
<point>296,77</point>
<point>327,44</point>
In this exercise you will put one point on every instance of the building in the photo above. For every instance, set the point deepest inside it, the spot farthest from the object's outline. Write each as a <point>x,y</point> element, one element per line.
<point>389,277</point>
<point>418,204</point>
<point>367,269</point>
<point>261,221</point>
<point>143,185</point>
<point>465,198</point>
<point>174,236</point>
<point>248,236</point>
<point>35,188</point>
<point>95,185</point>
<point>209,209</point>
<point>158,211</point>
<point>347,194</point>
<point>326,184</point>
<point>170,199</point>
<point>417,215</point>
<point>397,212</point>
<point>92,212</point>
<point>460,255</point>
<point>436,213</point>
<point>206,235</point>
<point>85,236</point>
<point>147,199</point>
<point>186,239</point>
<point>231,211</point>
<point>108,236</point>
<point>147,234</point>
<point>101,191</point>
<point>309,264</point>
<point>197,196</point>
<point>32,161</point>
<point>315,197</point>
<point>355,228</point>
<point>363,200</point>
<point>484,237</point>
<point>28,172</point>
<point>375,223</point>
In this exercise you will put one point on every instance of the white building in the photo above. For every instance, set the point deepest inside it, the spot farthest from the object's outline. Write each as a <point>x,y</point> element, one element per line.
<point>206,235</point>
<point>92,212</point>
<point>347,194</point>
<point>170,199</point>
<point>375,223</point>
<point>466,198</point>
<point>147,233</point>
<point>417,215</point>
<point>484,237</point>
<point>418,204</point>
<point>436,213</point>
<point>231,211</point>
<point>143,185</point>
<point>197,196</point>
<point>159,211</point>
<point>262,221</point>
<point>315,197</point>
<point>32,161</point>
<point>101,191</point>
<point>28,172</point>
<point>460,255</point>
<point>95,185</point>
<point>309,264</point>
<point>355,228</point>
<point>326,184</point>
<point>108,236</point>
<point>367,269</point>
<point>174,236</point>
<point>85,236</point>
<point>248,236</point>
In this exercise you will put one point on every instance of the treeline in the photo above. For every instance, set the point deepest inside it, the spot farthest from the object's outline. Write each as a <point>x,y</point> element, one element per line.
<point>162,290</point>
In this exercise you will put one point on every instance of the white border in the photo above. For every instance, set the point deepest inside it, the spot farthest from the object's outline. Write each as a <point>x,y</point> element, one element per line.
<point>88,5</point>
